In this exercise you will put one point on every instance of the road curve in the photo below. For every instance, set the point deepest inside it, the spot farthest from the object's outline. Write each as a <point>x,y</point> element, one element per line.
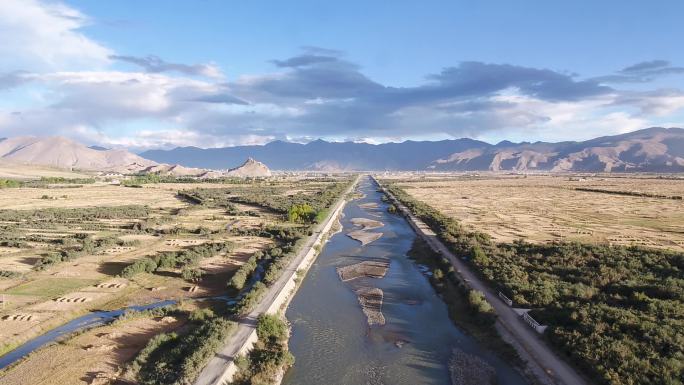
<point>215,372</point>
<point>550,368</point>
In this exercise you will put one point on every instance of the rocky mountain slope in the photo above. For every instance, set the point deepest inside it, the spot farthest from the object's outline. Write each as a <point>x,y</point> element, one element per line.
<point>251,168</point>
<point>652,149</point>
<point>649,150</point>
<point>64,153</point>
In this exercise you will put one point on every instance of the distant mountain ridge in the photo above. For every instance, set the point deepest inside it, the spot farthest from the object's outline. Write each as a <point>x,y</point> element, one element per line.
<point>653,149</point>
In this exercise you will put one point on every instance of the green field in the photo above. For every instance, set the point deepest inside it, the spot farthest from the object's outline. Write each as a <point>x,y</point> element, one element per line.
<point>50,287</point>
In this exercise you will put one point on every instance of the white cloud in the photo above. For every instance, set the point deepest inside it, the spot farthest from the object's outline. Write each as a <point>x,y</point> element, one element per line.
<point>39,36</point>
<point>69,88</point>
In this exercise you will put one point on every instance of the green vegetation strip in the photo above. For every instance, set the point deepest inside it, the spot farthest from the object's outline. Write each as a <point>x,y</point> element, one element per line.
<point>50,287</point>
<point>468,308</point>
<point>177,358</point>
<point>76,214</point>
<point>187,260</point>
<point>269,358</point>
<point>616,312</point>
<point>629,193</point>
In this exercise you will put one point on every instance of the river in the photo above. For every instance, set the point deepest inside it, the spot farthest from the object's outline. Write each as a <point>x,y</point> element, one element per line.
<point>331,339</point>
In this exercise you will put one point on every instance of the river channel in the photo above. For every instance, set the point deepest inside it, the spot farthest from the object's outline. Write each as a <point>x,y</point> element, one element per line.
<point>331,337</point>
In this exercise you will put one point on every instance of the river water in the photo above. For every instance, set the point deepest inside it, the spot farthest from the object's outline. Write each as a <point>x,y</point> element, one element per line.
<point>331,339</point>
<point>90,320</point>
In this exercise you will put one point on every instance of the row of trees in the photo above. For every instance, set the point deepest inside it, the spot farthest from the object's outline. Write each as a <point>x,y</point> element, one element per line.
<point>177,358</point>
<point>75,215</point>
<point>44,182</point>
<point>186,259</point>
<point>77,246</point>
<point>616,312</point>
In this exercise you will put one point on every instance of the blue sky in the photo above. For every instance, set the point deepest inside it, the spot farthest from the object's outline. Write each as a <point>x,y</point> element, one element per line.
<point>214,73</point>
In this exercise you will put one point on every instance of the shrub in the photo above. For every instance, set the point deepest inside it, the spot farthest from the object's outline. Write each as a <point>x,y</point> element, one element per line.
<point>9,274</point>
<point>191,274</point>
<point>271,328</point>
<point>177,359</point>
<point>9,183</point>
<point>269,355</point>
<point>238,280</point>
<point>145,265</point>
<point>201,314</point>
<point>251,299</point>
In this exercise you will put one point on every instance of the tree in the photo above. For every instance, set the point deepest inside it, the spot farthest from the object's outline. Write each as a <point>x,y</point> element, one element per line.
<point>302,213</point>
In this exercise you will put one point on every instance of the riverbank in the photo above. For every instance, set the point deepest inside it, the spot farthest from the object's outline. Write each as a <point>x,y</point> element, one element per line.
<point>541,363</point>
<point>332,338</point>
<point>222,368</point>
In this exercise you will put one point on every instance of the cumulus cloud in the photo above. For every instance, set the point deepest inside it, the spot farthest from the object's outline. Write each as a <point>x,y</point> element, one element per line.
<point>658,102</point>
<point>72,89</point>
<point>39,36</point>
<point>155,64</point>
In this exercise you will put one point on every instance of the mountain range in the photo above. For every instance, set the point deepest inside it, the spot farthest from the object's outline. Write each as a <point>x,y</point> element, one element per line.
<point>649,150</point>
<point>64,153</point>
<point>653,149</point>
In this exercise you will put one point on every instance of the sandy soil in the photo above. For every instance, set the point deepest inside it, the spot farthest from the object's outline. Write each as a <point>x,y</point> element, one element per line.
<point>363,236</point>
<point>370,205</point>
<point>20,171</point>
<point>366,224</point>
<point>370,299</point>
<point>371,269</point>
<point>548,208</point>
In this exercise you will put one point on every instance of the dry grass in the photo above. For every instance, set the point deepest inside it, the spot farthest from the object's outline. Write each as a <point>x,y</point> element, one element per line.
<point>20,171</point>
<point>37,301</point>
<point>547,208</point>
<point>92,195</point>
<point>94,357</point>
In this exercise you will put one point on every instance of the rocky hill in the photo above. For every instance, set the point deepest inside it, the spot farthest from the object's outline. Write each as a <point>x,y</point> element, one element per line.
<point>652,149</point>
<point>251,168</point>
<point>64,153</point>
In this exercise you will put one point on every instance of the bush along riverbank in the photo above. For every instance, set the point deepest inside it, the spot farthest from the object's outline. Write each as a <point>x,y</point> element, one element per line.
<point>467,308</point>
<point>266,363</point>
<point>615,312</point>
<point>290,240</point>
<point>177,357</point>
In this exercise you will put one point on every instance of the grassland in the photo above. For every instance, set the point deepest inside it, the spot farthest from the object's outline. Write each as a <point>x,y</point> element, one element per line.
<point>551,208</point>
<point>77,250</point>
